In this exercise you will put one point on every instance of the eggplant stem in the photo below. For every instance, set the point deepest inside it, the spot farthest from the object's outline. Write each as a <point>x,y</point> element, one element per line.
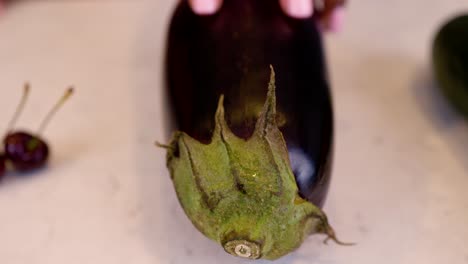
<point>164,146</point>
<point>331,235</point>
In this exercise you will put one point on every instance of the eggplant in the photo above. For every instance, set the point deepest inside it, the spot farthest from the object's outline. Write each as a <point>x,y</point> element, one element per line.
<point>252,154</point>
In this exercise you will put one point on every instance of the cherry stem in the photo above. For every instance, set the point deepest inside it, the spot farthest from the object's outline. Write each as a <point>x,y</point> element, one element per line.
<point>54,110</point>
<point>19,108</point>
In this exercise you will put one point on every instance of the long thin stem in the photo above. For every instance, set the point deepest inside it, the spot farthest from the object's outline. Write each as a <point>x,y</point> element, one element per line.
<point>332,236</point>
<point>54,110</point>
<point>19,108</point>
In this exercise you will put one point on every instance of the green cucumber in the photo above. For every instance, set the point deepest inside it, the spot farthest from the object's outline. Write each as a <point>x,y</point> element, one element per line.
<point>450,62</point>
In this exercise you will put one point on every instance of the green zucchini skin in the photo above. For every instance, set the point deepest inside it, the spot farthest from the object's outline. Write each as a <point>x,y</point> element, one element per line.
<point>229,53</point>
<point>450,62</point>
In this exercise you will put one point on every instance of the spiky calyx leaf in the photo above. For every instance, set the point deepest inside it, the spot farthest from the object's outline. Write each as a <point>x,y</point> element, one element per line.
<point>242,193</point>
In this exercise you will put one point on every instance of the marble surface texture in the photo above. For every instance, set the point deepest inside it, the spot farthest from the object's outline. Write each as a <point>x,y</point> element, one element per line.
<point>401,167</point>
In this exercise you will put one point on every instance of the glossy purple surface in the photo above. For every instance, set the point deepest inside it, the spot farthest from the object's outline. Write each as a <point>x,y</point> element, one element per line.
<point>229,53</point>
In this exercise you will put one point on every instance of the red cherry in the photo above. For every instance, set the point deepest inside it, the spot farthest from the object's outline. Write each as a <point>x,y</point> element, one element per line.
<point>2,166</point>
<point>25,151</point>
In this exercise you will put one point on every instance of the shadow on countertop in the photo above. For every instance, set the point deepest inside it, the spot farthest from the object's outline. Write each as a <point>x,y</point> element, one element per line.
<point>449,124</point>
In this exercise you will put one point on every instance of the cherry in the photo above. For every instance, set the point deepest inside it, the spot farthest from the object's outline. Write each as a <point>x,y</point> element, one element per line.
<point>27,151</point>
<point>2,165</point>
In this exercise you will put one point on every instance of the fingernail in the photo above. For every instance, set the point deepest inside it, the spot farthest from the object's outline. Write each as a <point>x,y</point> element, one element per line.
<point>298,8</point>
<point>205,7</point>
<point>336,19</point>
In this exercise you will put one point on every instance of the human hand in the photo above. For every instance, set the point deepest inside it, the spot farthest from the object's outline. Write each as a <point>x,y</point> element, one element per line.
<point>330,12</point>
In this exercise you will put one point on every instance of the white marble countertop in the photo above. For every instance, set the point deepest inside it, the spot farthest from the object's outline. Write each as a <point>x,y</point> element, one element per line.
<point>401,167</point>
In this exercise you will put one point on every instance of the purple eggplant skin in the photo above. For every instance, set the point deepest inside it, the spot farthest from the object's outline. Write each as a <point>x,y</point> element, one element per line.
<point>229,53</point>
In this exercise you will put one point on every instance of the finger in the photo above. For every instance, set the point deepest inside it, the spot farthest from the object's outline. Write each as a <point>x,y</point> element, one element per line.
<point>334,20</point>
<point>205,7</point>
<point>298,8</point>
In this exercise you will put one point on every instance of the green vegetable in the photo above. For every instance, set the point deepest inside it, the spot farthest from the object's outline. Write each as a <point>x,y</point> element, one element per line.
<point>450,59</point>
<point>242,193</point>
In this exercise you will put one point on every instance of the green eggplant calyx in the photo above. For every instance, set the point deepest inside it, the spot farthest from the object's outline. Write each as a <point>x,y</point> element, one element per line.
<point>243,249</point>
<point>242,193</point>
